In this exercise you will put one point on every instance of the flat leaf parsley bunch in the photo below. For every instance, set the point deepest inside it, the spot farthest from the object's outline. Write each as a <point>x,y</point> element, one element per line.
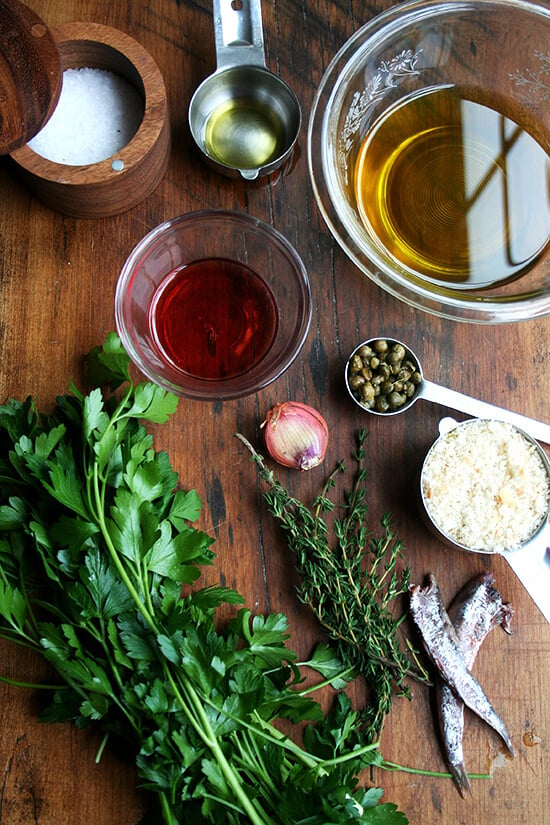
<point>95,543</point>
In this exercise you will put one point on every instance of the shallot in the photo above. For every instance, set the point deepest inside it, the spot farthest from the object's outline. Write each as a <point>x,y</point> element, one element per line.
<point>296,435</point>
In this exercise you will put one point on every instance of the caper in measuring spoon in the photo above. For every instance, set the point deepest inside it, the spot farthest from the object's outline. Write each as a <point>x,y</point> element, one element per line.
<point>382,376</point>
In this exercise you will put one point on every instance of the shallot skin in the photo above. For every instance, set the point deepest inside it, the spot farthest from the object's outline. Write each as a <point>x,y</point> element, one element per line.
<point>442,645</point>
<point>474,612</point>
<point>296,435</point>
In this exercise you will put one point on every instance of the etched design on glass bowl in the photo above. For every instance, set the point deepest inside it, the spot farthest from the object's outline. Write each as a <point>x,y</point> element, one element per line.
<point>390,74</point>
<point>535,83</point>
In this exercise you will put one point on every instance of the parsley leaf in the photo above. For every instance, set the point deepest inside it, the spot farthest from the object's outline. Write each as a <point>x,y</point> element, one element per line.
<point>98,558</point>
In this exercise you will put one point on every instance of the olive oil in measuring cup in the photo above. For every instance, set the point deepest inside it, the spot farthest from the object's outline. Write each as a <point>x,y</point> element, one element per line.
<point>454,190</point>
<point>245,134</point>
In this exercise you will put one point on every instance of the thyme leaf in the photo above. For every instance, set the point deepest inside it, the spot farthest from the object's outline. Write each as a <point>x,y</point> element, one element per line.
<point>350,578</point>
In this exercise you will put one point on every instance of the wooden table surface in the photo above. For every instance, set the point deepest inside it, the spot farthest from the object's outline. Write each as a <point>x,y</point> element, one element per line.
<point>57,277</point>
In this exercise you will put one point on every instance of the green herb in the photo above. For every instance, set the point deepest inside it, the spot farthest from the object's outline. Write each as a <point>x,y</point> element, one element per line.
<point>351,582</point>
<point>95,543</point>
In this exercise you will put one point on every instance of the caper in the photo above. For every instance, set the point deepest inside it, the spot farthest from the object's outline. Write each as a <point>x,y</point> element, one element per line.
<point>355,381</point>
<point>365,351</point>
<point>382,404</point>
<point>396,400</point>
<point>367,391</point>
<point>396,354</point>
<point>356,363</point>
<point>382,375</point>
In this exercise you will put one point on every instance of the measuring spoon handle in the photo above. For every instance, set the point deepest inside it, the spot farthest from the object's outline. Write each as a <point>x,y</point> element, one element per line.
<point>532,567</point>
<point>238,33</point>
<point>482,409</point>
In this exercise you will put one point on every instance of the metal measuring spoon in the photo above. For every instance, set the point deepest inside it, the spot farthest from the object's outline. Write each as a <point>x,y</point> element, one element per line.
<point>450,398</point>
<point>531,561</point>
<point>244,118</point>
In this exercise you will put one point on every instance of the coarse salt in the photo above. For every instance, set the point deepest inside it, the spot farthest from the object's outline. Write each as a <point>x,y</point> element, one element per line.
<point>485,486</point>
<point>97,114</point>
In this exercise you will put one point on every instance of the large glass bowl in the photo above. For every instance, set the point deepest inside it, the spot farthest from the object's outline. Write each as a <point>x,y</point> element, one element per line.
<point>498,51</point>
<point>201,352</point>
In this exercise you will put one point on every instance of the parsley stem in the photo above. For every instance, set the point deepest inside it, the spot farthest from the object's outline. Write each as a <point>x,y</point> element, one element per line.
<point>345,674</point>
<point>354,754</point>
<point>252,761</point>
<point>393,766</point>
<point>32,685</point>
<point>100,519</point>
<point>204,729</point>
<point>167,812</point>
<point>283,740</point>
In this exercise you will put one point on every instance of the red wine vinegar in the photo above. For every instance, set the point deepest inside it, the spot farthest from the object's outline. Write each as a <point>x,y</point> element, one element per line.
<point>213,319</point>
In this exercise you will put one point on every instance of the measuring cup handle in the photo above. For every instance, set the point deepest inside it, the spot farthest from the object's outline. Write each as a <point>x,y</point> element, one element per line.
<point>238,33</point>
<point>532,567</point>
<point>482,409</point>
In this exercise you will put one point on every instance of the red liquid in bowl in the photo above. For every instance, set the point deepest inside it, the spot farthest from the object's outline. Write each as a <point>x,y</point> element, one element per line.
<point>213,319</point>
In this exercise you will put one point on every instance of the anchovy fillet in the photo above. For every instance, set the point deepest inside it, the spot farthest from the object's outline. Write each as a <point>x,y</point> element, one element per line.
<point>443,647</point>
<point>474,612</point>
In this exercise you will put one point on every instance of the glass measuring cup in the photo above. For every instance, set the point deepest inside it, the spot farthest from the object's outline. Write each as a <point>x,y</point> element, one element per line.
<point>530,561</point>
<point>244,119</point>
<point>430,391</point>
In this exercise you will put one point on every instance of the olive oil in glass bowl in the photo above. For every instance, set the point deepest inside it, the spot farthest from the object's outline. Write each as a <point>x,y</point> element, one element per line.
<point>454,190</point>
<point>428,150</point>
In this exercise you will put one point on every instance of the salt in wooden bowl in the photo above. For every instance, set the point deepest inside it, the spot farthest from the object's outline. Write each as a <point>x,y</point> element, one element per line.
<point>121,181</point>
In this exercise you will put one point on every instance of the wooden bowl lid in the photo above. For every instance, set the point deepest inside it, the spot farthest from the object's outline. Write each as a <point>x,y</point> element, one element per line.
<point>30,74</point>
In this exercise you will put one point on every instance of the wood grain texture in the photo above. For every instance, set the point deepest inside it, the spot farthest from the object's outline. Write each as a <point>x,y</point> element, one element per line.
<point>57,280</point>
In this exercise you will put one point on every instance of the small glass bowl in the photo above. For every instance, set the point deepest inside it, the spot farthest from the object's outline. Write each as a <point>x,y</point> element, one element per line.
<point>198,237</point>
<point>497,52</point>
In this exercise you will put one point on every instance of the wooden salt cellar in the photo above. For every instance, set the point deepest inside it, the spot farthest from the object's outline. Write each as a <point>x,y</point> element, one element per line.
<point>118,183</point>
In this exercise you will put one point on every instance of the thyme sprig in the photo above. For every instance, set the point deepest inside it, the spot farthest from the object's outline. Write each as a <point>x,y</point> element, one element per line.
<point>349,577</point>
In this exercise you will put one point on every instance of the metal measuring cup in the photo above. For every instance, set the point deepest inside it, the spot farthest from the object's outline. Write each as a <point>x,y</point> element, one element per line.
<point>531,560</point>
<point>450,398</point>
<point>243,118</point>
